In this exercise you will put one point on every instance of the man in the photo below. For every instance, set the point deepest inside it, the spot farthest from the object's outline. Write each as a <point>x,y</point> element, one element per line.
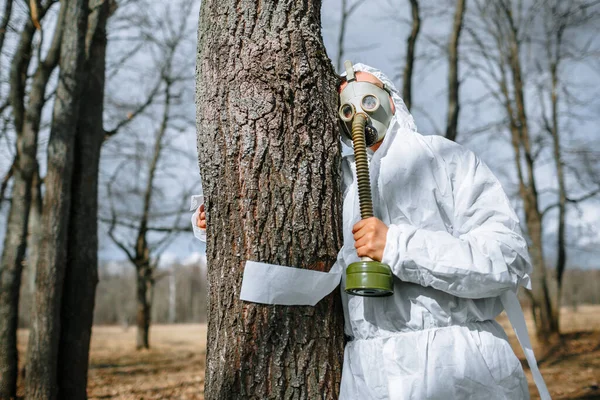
<point>446,228</point>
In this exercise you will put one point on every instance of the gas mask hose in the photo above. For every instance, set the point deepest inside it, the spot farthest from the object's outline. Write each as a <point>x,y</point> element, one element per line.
<point>366,277</point>
<point>362,165</point>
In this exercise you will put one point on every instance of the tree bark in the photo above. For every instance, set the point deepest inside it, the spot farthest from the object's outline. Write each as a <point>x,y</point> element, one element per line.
<point>268,146</point>
<point>81,276</point>
<point>453,79</point>
<point>18,75</point>
<point>410,53</point>
<point>27,126</point>
<point>42,355</point>
<point>33,229</point>
<point>561,257</point>
<point>145,285</point>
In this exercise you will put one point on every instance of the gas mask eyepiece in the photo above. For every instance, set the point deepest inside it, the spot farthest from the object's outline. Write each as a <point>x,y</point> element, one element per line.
<point>368,99</point>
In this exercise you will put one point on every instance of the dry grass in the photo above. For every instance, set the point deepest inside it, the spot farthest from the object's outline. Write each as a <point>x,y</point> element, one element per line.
<point>570,366</point>
<point>174,367</point>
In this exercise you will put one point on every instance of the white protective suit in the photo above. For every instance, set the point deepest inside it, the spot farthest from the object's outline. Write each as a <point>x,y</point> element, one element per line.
<point>454,245</point>
<point>457,254</point>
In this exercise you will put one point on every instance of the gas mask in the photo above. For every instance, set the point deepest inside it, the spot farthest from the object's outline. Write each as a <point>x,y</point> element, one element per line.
<point>369,100</point>
<point>366,113</point>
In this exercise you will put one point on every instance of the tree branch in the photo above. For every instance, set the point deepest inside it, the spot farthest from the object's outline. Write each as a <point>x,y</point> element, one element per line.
<point>131,225</point>
<point>19,67</point>
<point>5,181</point>
<point>570,200</point>
<point>113,223</point>
<point>134,114</point>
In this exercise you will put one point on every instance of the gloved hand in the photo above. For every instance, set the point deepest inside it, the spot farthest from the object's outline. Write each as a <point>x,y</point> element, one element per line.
<point>370,236</point>
<point>201,218</point>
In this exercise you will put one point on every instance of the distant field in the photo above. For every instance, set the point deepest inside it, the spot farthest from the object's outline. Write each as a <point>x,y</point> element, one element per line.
<point>174,367</point>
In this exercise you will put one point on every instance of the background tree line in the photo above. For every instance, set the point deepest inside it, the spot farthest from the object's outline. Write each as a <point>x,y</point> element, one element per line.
<point>97,157</point>
<point>180,295</point>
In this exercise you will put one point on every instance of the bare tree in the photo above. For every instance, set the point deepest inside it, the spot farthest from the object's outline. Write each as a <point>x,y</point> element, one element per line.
<point>27,124</point>
<point>501,33</point>
<point>453,78</point>
<point>268,148</point>
<point>561,22</point>
<point>144,233</point>
<point>507,35</point>
<point>81,275</point>
<point>41,379</point>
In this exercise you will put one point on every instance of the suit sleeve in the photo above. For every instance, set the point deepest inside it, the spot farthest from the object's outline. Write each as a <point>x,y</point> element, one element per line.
<point>485,255</point>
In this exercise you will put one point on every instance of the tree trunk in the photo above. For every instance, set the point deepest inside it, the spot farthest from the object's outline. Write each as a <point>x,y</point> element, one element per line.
<point>145,279</point>
<point>546,326</point>
<point>561,258</point>
<point>172,297</point>
<point>10,283</point>
<point>42,355</point>
<point>81,274</point>
<point>13,250</point>
<point>410,53</point>
<point>15,242</point>
<point>453,79</point>
<point>34,228</point>
<point>268,146</point>
<point>145,285</point>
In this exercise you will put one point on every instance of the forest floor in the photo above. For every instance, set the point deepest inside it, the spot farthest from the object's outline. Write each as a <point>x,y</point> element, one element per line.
<point>174,367</point>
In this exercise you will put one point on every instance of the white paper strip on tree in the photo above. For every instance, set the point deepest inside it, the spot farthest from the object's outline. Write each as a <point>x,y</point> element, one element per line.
<point>278,284</point>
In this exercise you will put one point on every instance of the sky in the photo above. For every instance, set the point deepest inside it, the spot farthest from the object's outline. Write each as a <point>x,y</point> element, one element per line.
<point>376,35</point>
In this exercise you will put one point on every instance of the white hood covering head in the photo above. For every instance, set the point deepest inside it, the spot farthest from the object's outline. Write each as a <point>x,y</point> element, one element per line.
<point>402,118</point>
